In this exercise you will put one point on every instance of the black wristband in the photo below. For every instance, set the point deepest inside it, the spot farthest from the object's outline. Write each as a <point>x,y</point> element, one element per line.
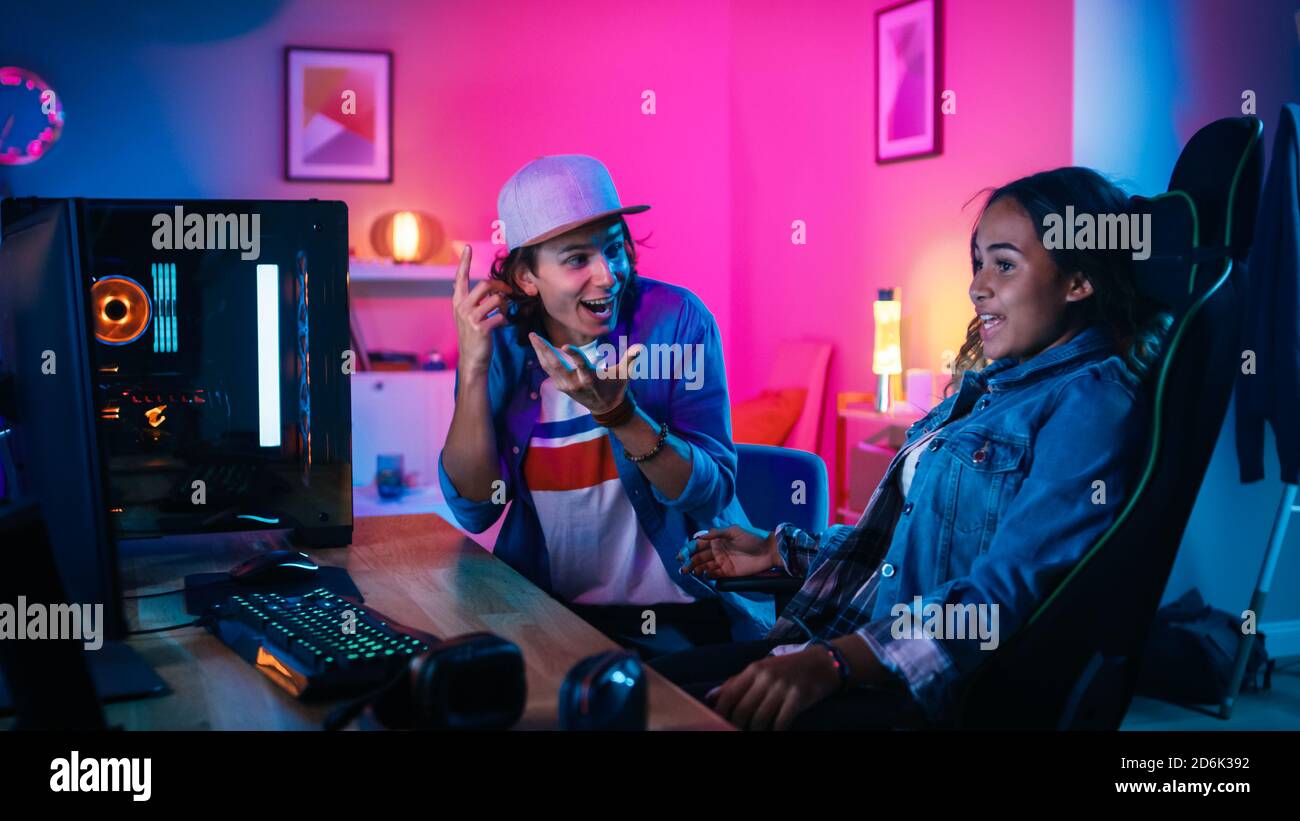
<point>837,656</point>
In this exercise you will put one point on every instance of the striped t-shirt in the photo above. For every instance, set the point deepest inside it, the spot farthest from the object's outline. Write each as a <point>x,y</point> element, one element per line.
<point>598,552</point>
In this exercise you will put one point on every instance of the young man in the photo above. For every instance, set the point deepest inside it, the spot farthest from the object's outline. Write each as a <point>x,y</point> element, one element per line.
<point>612,464</point>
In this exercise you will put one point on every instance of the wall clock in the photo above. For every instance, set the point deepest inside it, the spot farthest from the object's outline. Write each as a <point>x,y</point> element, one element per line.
<point>31,116</point>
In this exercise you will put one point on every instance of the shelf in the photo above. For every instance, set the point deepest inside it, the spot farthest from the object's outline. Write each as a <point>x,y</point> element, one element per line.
<point>368,270</point>
<point>383,277</point>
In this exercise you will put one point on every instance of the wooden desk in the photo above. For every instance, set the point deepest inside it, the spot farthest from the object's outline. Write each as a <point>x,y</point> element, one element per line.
<point>417,569</point>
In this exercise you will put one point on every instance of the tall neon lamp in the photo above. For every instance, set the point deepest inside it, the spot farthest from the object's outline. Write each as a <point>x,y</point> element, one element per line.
<point>887,356</point>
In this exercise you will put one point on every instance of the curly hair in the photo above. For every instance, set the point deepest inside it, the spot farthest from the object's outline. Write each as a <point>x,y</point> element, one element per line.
<point>1136,324</point>
<point>525,312</point>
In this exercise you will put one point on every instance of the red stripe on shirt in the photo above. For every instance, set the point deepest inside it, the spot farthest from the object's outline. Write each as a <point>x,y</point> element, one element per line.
<point>570,467</point>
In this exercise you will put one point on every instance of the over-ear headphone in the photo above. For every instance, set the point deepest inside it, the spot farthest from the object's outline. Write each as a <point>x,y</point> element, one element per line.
<point>606,691</point>
<point>474,682</point>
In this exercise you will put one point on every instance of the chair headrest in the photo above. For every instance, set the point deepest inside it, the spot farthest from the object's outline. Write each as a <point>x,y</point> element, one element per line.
<point>1206,217</point>
<point>1221,169</point>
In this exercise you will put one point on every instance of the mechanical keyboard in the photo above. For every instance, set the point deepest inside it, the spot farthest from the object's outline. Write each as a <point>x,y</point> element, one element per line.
<point>315,645</point>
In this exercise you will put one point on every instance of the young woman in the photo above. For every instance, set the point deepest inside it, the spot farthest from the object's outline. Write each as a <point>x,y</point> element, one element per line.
<point>610,474</point>
<point>997,492</point>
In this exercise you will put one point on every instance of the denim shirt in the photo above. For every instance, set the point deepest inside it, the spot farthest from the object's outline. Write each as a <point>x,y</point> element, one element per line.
<point>1030,464</point>
<point>696,410</point>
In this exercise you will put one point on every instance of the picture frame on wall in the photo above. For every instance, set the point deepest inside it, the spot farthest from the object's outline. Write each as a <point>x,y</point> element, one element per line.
<point>338,115</point>
<point>909,78</point>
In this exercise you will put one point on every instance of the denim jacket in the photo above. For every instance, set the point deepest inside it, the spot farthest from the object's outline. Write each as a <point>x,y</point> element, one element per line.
<point>695,410</point>
<point>1030,464</point>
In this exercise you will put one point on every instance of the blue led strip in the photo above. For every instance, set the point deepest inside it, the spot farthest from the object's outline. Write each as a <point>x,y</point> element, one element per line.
<point>165,335</point>
<point>162,307</point>
<point>158,308</point>
<point>173,337</point>
<point>167,316</point>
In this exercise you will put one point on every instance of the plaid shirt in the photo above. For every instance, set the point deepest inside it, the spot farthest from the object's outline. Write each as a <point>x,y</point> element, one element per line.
<point>834,601</point>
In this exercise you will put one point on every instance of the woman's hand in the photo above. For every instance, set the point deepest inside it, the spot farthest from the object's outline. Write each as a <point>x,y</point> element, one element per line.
<point>771,692</point>
<point>599,391</point>
<point>473,325</point>
<point>730,551</point>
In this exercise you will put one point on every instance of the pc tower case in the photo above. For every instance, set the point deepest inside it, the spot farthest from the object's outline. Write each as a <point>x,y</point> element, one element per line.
<point>179,367</point>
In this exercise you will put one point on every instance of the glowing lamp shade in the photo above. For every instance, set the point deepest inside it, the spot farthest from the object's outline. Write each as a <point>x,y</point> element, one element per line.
<point>407,236</point>
<point>887,355</point>
<point>887,359</point>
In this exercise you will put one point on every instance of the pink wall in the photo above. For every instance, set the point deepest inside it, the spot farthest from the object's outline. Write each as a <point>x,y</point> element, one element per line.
<point>186,101</point>
<point>483,88</point>
<point>802,147</point>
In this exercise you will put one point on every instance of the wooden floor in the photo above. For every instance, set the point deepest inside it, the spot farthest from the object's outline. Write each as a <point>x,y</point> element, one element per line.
<point>417,569</point>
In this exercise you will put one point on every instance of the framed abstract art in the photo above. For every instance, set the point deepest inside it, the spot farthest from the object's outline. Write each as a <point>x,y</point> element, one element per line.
<point>338,115</point>
<point>908,81</point>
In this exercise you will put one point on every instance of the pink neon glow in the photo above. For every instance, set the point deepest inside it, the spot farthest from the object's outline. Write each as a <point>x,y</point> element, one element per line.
<point>871,226</point>
<point>723,168</point>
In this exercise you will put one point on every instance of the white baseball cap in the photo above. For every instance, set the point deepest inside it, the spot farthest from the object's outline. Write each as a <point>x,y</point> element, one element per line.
<point>553,195</point>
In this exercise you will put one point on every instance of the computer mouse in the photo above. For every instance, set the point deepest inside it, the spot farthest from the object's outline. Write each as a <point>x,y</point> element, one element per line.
<point>274,566</point>
<point>606,691</point>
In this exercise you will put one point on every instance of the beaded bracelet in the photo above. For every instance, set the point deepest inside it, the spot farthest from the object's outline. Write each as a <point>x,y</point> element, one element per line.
<point>663,437</point>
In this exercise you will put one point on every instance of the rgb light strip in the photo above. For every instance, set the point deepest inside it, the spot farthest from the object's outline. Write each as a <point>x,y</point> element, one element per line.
<point>165,337</point>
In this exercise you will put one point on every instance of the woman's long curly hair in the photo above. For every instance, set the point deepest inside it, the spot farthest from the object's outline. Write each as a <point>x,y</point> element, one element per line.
<point>1135,324</point>
<point>525,312</point>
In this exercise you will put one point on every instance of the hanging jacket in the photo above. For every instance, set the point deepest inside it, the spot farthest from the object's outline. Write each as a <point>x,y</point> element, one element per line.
<point>1272,321</point>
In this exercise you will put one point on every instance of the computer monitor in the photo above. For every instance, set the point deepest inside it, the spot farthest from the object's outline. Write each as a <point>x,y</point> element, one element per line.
<point>44,345</point>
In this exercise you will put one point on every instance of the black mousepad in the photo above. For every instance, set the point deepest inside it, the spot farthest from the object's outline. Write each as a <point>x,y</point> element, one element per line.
<point>202,590</point>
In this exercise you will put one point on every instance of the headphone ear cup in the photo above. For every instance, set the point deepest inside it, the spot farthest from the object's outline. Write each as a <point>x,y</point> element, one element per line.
<point>474,682</point>
<point>607,691</point>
